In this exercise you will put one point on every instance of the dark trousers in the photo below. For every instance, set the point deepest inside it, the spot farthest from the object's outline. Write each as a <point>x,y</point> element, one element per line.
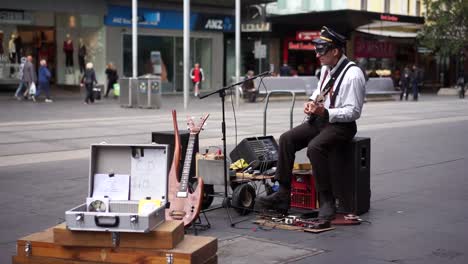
<point>415,91</point>
<point>81,62</point>
<point>404,91</point>
<point>69,58</point>
<point>12,60</point>
<point>320,138</point>
<point>110,85</point>
<point>43,86</point>
<point>89,93</point>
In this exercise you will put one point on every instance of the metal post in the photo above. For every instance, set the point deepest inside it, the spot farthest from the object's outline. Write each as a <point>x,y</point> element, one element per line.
<point>134,38</point>
<point>186,51</point>
<point>238,48</point>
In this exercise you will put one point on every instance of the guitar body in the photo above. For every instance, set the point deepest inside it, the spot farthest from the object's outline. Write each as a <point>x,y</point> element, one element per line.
<point>184,209</point>
<point>184,205</point>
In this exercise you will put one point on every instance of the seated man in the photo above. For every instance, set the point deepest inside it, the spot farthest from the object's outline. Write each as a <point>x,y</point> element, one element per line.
<point>331,122</point>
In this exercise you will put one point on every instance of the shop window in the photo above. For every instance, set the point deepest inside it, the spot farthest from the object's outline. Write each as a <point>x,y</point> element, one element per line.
<point>418,8</point>
<point>171,51</point>
<point>363,4</point>
<point>387,6</point>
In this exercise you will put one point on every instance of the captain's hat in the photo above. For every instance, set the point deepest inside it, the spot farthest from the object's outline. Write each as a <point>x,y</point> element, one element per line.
<point>330,37</point>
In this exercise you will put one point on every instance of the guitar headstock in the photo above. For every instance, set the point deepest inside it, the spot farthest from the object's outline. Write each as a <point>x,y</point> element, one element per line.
<point>196,128</point>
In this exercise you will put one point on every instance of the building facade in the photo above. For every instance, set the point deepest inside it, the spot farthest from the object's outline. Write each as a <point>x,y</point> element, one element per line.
<point>104,29</point>
<point>381,34</point>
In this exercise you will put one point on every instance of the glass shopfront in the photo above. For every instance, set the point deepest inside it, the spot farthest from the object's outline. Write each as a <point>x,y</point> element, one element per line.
<point>80,30</point>
<point>171,64</point>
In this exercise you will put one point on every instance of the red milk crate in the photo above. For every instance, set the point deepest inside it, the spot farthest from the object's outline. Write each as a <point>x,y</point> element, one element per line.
<point>303,190</point>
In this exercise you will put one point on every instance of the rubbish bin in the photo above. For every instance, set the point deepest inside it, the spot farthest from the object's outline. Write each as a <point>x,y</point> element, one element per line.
<point>128,92</point>
<point>149,91</point>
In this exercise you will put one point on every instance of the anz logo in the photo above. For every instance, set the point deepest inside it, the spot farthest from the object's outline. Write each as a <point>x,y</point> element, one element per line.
<point>216,24</point>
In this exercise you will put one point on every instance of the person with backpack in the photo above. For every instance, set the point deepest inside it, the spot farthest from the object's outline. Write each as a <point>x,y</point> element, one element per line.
<point>88,81</point>
<point>333,109</point>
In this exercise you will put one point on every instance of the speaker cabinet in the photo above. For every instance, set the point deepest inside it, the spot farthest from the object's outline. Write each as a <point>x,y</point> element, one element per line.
<point>350,170</point>
<point>167,137</point>
<point>260,152</point>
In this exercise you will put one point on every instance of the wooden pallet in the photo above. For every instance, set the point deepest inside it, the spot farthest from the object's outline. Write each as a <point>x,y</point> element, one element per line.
<point>165,236</point>
<point>43,249</point>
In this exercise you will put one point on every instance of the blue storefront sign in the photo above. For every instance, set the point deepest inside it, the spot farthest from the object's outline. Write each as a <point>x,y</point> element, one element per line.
<point>167,19</point>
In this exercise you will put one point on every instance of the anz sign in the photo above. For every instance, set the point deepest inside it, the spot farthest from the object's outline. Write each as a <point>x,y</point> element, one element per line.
<point>216,24</point>
<point>211,23</point>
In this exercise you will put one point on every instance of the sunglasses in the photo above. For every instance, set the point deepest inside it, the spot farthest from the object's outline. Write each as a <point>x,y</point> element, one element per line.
<point>322,50</point>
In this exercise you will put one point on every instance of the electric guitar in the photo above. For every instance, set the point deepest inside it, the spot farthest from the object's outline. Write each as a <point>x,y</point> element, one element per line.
<point>184,204</point>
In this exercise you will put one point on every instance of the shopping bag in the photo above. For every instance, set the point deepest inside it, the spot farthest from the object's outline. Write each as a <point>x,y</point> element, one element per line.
<point>116,89</point>
<point>32,89</point>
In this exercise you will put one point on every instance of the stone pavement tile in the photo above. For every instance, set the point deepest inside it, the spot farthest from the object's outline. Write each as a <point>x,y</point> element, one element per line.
<point>244,249</point>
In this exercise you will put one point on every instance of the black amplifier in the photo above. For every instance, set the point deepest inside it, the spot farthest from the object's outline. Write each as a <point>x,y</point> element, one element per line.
<point>260,152</point>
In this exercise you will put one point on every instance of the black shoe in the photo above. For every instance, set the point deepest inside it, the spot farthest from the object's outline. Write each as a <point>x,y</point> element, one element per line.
<point>278,201</point>
<point>327,208</point>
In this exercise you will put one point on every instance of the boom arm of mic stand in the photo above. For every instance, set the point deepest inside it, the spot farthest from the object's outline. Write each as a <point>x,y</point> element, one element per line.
<point>222,94</point>
<point>235,84</point>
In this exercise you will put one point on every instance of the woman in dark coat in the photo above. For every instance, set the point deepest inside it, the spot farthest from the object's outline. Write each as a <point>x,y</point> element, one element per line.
<point>112,77</point>
<point>88,80</point>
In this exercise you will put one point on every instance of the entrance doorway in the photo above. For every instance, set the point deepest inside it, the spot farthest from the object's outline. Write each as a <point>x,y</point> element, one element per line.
<point>39,42</point>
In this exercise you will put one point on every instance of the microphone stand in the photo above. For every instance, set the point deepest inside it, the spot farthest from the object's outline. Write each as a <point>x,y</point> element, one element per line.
<point>222,95</point>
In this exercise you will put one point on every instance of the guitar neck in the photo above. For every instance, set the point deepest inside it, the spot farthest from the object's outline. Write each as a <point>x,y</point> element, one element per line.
<point>187,163</point>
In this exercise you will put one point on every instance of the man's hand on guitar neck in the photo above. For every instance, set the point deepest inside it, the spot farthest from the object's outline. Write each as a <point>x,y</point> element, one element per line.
<point>313,108</point>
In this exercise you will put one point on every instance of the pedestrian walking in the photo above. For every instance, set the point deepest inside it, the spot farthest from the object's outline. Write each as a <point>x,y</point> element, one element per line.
<point>405,83</point>
<point>29,76</point>
<point>333,108</point>
<point>22,84</point>
<point>461,85</point>
<point>44,81</point>
<point>88,81</point>
<point>415,79</point>
<point>197,76</point>
<point>112,77</point>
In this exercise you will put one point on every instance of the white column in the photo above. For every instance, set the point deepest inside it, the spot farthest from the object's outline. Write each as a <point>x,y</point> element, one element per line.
<point>134,39</point>
<point>238,47</point>
<point>186,52</point>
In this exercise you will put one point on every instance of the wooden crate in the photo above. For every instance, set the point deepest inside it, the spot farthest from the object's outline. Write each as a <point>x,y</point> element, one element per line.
<point>165,236</point>
<point>191,250</point>
<point>43,260</point>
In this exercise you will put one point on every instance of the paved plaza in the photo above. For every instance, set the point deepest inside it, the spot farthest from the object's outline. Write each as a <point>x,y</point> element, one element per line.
<point>419,153</point>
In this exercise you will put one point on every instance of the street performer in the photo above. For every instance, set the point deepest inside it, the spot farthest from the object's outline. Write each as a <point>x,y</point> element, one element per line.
<point>332,122</point>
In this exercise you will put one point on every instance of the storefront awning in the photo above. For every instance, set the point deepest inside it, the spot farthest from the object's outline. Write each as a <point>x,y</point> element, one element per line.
<point>346,21</point>
<point>391,29</point>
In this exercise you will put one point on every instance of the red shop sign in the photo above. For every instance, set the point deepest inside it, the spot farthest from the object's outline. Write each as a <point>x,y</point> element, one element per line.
<point>300,46</point>
<point>307,35</point>
<point>370,48</point>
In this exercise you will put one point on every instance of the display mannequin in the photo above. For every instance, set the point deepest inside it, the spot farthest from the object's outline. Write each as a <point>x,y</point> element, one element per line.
<point>12,52</point>
<point>68,50</point>
<point>19,47</point>
<point>82,55</point>
<point>1,43</point>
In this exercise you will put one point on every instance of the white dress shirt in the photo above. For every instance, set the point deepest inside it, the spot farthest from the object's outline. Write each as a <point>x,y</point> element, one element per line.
<point>350,98</point>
